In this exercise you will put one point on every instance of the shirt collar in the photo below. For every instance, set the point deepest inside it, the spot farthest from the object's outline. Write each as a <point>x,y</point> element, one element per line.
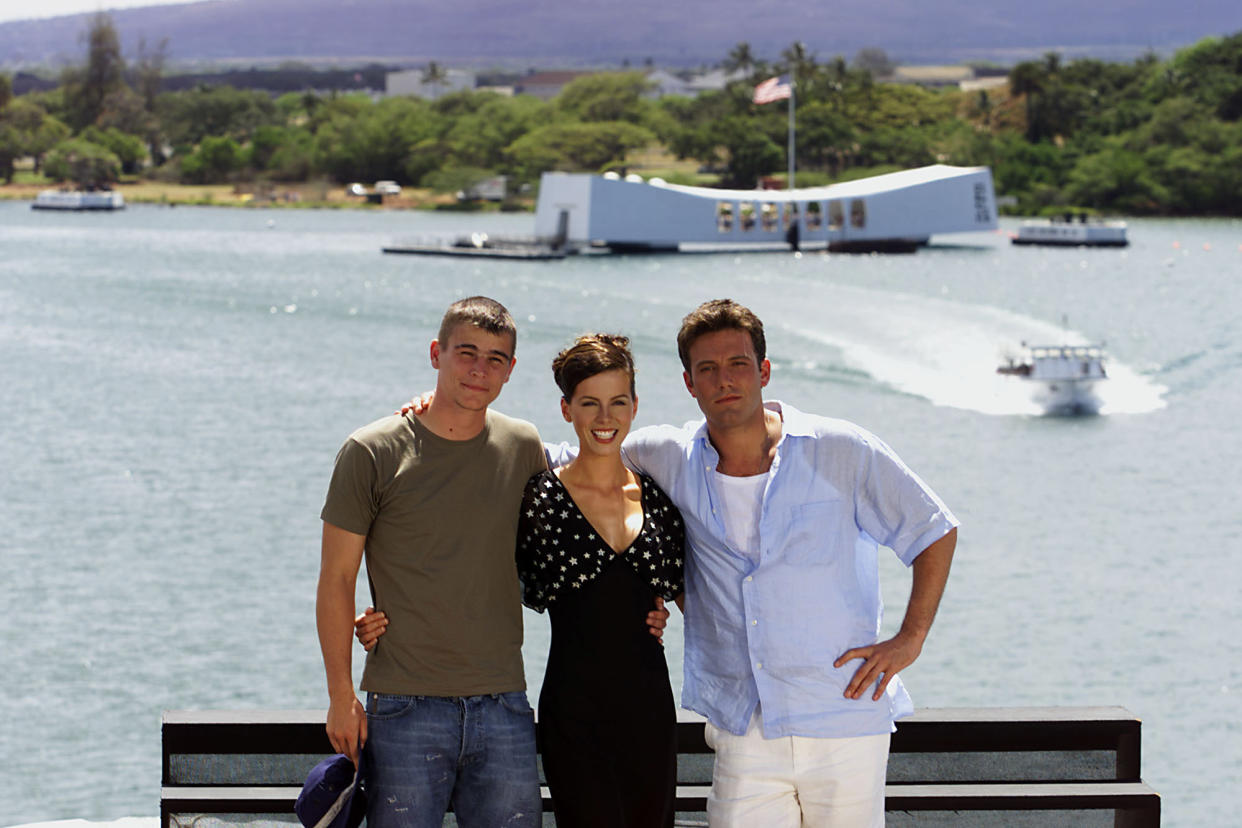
<point>793,424</point>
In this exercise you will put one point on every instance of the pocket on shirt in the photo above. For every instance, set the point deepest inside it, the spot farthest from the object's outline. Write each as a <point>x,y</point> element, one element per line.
<point>815,532</point>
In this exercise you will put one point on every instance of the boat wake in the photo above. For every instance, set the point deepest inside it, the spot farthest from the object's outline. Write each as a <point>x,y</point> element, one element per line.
<point>947,353</point>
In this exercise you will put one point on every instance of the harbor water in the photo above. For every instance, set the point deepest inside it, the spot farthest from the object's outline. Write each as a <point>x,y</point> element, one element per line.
<point>176,383</point>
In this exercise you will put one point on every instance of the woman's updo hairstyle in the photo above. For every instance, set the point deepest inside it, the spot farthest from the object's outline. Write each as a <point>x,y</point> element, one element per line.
<point>592,354</point>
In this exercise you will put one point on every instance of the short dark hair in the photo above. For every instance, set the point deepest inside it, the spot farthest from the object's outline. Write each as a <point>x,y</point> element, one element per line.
<point>592,354</point>
<point>481,312</point>
<point>719,315</point>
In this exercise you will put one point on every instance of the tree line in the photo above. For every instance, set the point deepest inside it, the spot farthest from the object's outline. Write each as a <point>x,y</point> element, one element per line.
<point>1149,136</point>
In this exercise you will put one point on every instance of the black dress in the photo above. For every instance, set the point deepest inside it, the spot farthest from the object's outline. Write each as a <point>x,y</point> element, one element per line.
<point>607,723</point>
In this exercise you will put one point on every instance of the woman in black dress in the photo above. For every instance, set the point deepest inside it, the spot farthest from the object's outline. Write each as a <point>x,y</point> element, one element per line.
<point>597,545</point>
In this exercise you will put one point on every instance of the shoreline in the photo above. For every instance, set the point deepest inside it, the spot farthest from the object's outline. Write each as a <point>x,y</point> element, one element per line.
<point>313,195</point>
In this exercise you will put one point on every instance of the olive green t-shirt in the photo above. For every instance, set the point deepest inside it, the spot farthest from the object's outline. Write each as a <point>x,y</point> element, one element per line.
<point>440,518</point>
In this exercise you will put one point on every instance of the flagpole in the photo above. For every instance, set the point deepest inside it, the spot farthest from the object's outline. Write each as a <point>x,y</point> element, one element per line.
<point>792,87</point>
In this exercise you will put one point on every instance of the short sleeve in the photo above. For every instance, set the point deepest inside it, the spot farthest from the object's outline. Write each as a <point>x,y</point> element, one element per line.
<point>669,531</point>
<point>530,541</point>
<point>895,506</point>
<point>352,502</point>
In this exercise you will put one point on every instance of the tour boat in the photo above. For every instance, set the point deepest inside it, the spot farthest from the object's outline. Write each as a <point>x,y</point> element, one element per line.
<point>1063,377</point>
<point>1066,231</point>
<point>78,200</point>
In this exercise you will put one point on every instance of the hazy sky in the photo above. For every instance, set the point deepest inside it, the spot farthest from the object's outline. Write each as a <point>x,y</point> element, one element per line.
<point>25,9</point>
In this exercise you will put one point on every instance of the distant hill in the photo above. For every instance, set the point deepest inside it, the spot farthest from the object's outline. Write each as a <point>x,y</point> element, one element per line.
<point>570,33</point>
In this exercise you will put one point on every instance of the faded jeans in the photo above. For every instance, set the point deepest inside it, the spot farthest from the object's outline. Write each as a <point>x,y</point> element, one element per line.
<point>476,752</point>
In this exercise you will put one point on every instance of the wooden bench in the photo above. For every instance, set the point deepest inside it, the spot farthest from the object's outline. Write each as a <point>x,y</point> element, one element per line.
<point>952,766</point>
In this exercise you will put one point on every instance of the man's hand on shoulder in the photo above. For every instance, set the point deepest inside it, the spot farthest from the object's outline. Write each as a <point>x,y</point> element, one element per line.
<point>881,662</point>
<point>418,405</point>
<point>369,626</point>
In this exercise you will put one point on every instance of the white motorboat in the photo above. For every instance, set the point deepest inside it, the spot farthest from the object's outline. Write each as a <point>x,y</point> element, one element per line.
<point>1063,377</point>
<point>1071,231</point>
<point>78,200</point>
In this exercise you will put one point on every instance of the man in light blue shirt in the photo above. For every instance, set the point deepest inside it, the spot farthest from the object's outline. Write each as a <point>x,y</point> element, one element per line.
<point>784,514</point>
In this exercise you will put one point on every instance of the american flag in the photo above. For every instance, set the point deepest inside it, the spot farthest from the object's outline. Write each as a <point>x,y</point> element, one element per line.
<point>773,89</point>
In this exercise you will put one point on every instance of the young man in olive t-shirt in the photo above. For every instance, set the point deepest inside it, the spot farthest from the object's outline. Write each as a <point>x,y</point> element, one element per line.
<point>433,501</point>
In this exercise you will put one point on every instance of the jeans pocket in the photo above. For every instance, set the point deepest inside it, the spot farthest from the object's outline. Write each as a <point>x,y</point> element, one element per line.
<point>516,702</point>
<point>381,706</point>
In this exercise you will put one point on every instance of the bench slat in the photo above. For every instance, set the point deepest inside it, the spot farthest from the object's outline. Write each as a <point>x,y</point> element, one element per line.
<point>945,797</point>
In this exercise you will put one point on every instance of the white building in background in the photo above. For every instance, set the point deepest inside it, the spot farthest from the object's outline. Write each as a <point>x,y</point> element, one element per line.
<point>896,211</point>
<point>665,83</point>
<point>412,82</point>
<point>547,85</point>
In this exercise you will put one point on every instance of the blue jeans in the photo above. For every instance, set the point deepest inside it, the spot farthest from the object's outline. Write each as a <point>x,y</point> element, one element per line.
<point>477,752</point>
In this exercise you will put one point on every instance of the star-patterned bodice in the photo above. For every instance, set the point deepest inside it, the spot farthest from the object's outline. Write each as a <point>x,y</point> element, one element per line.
<point>558,550</point>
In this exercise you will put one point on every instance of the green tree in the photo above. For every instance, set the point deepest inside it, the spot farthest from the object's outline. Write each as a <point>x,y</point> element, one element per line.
<point>688,126</point>
<point>88,166</point>
<point>216,158</point>
<point>188,117</point>
<point>741,58</point>
<point>1027,80</point>
<point>455,179</point>
<point>1115,178</point>
<point>1022,168</point>
<point>294,159</point>
<point>123,109</point>
<point>874,61</point>
<point>749,152</point>
<point>376,141</point>
<point>478,139</point>
<point>27,130</point>
<point>606,96</point>
<point>129,149</point>
<point>797,60</point>
<point>572,146</point>
<point>825,138</point>
<point>1211,73</point>
<point>86,87</point>
<point>267,141</point>
<point>149,71</point>
<point>148,82</point>
<point>435,75</point>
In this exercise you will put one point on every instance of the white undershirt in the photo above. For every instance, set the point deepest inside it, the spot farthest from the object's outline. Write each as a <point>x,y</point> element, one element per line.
<point>743,504</point>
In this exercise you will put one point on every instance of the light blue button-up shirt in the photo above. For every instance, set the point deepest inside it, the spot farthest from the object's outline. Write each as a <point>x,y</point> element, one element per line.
<point>767,632</point>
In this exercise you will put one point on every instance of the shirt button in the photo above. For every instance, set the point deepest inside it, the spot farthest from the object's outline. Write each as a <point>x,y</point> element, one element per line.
<point>754,622</point>
<point>750,578</point>
<point>758,665</point>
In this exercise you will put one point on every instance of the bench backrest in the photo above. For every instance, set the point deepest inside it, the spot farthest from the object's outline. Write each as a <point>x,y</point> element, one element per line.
<point>1058,744</point>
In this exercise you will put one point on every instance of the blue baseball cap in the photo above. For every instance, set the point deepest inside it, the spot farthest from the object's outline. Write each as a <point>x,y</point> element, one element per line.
<point>334,795</point>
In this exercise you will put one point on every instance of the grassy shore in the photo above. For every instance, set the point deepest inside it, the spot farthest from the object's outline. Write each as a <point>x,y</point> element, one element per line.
<point>654,161</point>
<point>252,194</point>
<point>247,195</point>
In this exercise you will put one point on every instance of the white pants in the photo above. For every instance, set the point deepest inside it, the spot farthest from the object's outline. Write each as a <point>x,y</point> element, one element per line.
<point>795,781</point>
